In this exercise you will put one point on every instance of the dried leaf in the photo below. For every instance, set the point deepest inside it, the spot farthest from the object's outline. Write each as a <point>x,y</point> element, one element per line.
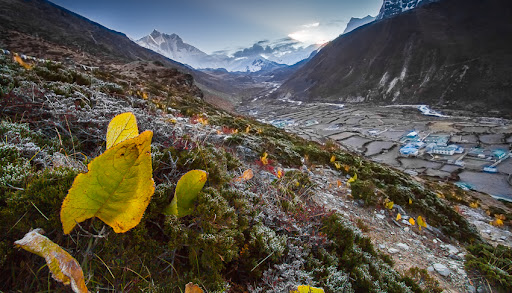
<point>497,223</point>
<point>121,128</point>
<point>333,158</point>
<point>337,165</point>
<point>473,205</point>
<point>192,288</point>
<point>389,205</point>
<point>248,128</point>
<point>398,217</point>
<point>411,220</point>
<point>339,183</point>
<point>187,190</point>
<point>117,189</point>
<point>308,289</point>
<point>410,201</point>
<point>63,266</point>
<point>246,176</point>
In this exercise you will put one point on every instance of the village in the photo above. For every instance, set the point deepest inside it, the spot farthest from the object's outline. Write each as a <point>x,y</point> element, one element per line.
<point>472,152</point>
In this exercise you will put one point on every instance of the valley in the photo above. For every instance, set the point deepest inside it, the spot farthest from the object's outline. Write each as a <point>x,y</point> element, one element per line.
<point>378,132</point>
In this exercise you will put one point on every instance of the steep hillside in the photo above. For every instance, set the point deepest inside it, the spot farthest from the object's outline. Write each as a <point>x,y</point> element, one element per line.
<point>452,53</point>
<point>304,214</point>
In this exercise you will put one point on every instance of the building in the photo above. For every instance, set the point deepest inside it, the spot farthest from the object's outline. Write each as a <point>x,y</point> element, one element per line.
<point>444,150</point>
<point>499,154</point>
<point>411,136</point>
<point>438,139</point>
<point>409,150</point>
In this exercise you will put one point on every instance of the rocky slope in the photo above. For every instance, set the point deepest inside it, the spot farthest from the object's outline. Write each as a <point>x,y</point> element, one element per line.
<point>451,53</point>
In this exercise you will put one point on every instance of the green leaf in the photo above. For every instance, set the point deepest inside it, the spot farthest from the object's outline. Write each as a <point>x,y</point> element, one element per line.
<point>187,190</point>
<point>121,128</point>
<point>117,189</point>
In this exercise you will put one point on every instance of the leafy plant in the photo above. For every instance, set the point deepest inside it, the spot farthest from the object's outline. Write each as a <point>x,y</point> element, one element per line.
<point>187,189</point>
<point>119,185</point>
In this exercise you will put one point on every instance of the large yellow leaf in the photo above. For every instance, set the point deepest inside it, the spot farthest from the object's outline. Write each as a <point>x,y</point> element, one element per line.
<point>187,190</point>
<point>63,266</point>
<point>308,289</point>
<point>121,128</point>
<point>117,189</point>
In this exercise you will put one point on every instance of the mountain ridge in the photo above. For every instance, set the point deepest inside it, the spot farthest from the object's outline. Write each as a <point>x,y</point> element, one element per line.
<point>449,53</point>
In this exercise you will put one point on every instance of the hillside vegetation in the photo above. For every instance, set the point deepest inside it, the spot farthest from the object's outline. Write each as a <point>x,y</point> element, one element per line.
<point>261,233</point>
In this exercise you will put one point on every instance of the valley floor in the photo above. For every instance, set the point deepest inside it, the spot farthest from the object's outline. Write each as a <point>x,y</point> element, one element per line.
<point>376,133</point>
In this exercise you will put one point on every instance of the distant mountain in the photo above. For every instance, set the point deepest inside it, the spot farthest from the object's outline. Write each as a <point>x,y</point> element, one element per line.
<point>253,59</point>
<point>355,22</point>
<point>173,47</point>
<point>451,53</point>
<point>393,7</point>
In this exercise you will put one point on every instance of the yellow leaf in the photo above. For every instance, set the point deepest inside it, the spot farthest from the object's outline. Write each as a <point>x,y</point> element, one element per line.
<point>280,172</point>
<point>398,217</point>
<point>117,189</point>
<point>20,61</point>
<point>333,158</point>
<point>247,175</point>
<point>192,288</point>
<point>308,289</point>
<point>187,190</point>
<point>421,222</point>
<point>63,266</point>
<point>497,223</point>
<point>410,201</point>
<point>264,159</point>
<point>121,128</point>
<point>473,205</point>
<point>248,128</point>
<point>352,179</point>
<point>347,167</point>
<point>411,220</point>
<point>338,165</point>
<point>144,95</point>
<point>389,205</point>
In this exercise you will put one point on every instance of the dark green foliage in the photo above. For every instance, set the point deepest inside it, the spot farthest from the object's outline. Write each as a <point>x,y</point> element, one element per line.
<point>365,190</point>
<point>494,264</point>
<point>419,276</point>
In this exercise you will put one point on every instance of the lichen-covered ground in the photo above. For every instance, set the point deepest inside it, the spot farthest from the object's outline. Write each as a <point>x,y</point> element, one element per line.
<point>303,218</point>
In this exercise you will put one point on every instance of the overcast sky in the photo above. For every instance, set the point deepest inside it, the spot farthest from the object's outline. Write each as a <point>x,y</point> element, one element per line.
<point>214,25</point>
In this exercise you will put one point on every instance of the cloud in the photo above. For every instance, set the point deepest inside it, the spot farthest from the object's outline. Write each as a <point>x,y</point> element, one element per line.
<point>310,25</point>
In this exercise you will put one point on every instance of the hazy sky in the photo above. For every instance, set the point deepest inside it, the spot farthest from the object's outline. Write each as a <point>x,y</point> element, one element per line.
<point>213,25</point>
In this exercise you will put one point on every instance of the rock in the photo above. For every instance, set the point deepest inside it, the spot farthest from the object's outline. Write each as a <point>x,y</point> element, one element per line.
<point>400,209</point>
<point>403,246</point>
<point>442,269</point>
<point>434,240</point>
<point>382,217</point>
<point>406,223</point>
<point>471,289</point>
<point>393,251</point>
<point>382,246</point>
<point>451,249</point>
<point>430,269</point>
<point>406,229</point>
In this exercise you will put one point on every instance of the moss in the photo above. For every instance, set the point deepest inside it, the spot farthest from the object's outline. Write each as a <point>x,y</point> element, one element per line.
<point>421,277</point>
